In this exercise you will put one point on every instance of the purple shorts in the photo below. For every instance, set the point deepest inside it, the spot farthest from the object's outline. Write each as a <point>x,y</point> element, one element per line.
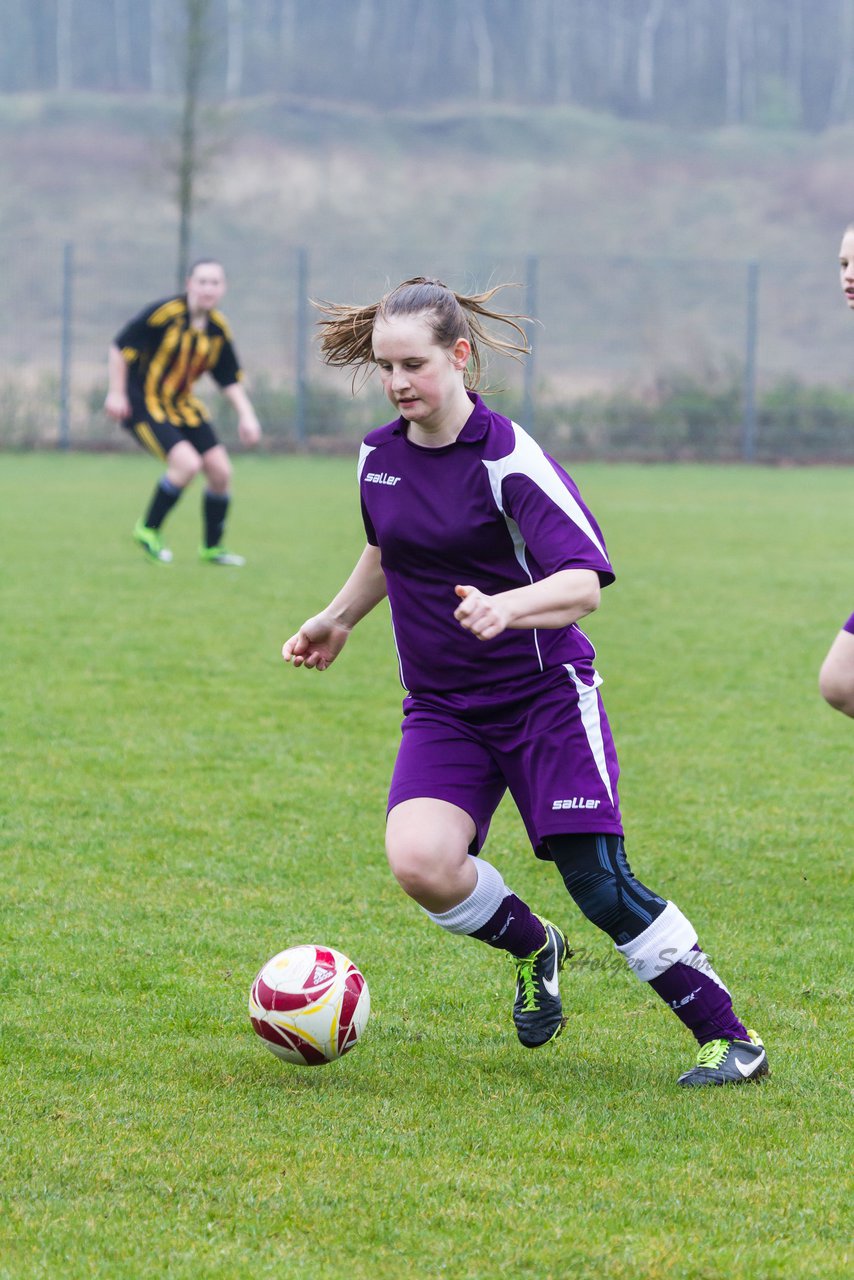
<point>849,625</point>
<point>550,745</point>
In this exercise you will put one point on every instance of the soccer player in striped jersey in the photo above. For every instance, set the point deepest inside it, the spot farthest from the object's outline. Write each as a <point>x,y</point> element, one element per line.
<point>489,559</point>
<point>153,364</point>
<point>836,679</point>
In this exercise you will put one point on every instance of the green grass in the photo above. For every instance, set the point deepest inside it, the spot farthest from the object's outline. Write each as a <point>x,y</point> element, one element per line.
<point>178,805</point>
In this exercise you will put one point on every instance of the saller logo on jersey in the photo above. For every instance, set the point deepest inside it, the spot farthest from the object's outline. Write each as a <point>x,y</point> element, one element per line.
<point>577,802</point>
<point>381,477</point>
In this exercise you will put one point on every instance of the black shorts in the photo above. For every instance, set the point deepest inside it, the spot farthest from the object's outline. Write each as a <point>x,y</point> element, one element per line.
<point>160,437</point>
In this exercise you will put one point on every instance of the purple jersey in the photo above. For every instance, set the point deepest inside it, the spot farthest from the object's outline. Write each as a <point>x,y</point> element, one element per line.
<point>491,510</point>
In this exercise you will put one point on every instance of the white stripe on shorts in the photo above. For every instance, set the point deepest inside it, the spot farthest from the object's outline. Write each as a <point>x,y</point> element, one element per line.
<point>588,705</point>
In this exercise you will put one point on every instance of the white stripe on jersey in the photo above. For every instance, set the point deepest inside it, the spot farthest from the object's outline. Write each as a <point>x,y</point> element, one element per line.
<point>365,450</point>
<point>528,459</point>
<point>588,705</point>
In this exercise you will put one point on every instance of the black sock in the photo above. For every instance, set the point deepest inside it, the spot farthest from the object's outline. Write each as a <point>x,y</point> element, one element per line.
<point>163,500</point>
<point>215,508</point>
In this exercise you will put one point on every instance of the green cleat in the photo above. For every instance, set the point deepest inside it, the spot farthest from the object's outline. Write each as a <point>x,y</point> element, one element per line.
<point>728,1062</point>
<point>149,540</point>
<point>219,555</point>
<point>537,1011</point>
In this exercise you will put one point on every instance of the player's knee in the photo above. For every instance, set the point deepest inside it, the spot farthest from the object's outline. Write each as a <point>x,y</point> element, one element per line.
<point>413,869</point>
<point>183,466</point>
<point>218,471</point>
<point>601,883</point>
<point>425,867</point>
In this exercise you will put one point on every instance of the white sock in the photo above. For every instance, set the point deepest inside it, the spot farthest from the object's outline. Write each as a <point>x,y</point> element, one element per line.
<point>481,904</point>
<point>668,939</point>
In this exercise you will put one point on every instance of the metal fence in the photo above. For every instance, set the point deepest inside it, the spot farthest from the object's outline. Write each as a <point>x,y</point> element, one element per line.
<point>615,339</point>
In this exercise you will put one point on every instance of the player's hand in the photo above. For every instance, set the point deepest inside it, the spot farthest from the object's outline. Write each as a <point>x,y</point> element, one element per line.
<point>317,643</point>
<point>117,405</point>
<point>484,616</point>
<point>249,430</point>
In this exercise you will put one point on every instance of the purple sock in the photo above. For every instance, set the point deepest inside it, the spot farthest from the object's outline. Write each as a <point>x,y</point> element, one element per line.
<point>513,928</point>
<point>697,996</point>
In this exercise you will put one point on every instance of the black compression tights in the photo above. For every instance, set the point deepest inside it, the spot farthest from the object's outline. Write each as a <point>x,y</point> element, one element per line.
<point>597,874</point>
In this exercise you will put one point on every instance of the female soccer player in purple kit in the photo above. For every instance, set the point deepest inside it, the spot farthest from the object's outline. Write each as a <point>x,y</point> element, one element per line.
<point>836,679</point>
<point>489,558</point>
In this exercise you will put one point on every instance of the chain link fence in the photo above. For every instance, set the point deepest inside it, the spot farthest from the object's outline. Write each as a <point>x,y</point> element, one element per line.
<point>631,357</point>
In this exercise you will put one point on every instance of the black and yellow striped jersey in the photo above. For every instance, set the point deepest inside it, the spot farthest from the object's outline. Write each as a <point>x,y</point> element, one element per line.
<point>165,356</point>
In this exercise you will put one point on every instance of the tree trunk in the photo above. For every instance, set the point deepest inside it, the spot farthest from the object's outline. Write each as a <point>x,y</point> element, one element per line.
<point>484,51</point>
<point>563,47</point>
<point>121,27</point>
<point>157,44</point>
<point>64,26</point>
<point>733,107</point>
<point>837,111</point>
<point>617,41</point>
<point>195,56</point>
<point>652,19</point>
<point>234,58</point>
<point>363,26</point>
<point>795,59</point>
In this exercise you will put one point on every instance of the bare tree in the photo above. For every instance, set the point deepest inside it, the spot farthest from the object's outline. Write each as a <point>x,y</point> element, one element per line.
<point>234,51</point>
<point>652,20</point>
<point>842,78</point>
<point>620,41</point>
<point>196,50</point>
<point>288,31</point>
<point>795,57</point>
<point>537,44</point>
<point>363,28</point>
<point>158,42</point>
<point>121,27</point>
<point>563,42</point>
<point>484,50</point>
<point>64,28</point>
<point>733,110</point>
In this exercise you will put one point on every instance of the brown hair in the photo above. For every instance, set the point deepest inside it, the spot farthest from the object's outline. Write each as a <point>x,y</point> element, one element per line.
<point>346,335</point>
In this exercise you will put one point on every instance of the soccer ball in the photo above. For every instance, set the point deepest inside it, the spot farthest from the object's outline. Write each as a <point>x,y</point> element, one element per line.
<point>309,1005</point>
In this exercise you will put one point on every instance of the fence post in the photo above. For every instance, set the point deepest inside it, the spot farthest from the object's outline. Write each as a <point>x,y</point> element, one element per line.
<point>302,322</point>
<point>528,401</point>
<point>748,442</point>
<point>65,347</point>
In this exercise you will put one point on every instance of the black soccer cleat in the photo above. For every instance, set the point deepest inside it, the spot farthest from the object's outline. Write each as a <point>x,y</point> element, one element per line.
<point>728,1062</point>
<point>537,1010</point>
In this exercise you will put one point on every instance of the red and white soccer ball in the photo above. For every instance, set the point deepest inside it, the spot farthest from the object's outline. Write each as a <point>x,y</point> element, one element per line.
<point>309,1005</point>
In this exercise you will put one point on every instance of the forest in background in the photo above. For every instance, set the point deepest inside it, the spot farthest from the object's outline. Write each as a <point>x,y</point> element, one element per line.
<point>684,277</point>
<point>695,63</point>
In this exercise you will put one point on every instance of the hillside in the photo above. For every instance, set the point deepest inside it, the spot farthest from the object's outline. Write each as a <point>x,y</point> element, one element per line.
<point>642,233</point>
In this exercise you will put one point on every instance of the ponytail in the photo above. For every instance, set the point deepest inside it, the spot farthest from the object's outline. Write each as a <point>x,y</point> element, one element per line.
<point>346,333</point>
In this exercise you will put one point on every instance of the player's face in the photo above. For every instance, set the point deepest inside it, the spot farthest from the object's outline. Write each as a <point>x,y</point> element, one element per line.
<point>846,267</point>
<point>423,380</point>
<point>205,287</point>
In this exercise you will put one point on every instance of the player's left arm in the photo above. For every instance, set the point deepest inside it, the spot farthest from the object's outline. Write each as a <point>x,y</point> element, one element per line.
<point>555,601</point>
<point>248,426</point>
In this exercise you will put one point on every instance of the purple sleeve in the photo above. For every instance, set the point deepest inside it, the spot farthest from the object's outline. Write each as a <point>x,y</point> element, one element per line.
<point>558,529</point>
<point>849,625</point>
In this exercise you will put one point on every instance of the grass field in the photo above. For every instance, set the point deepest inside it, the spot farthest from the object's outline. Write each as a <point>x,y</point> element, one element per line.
<point>177,805</point>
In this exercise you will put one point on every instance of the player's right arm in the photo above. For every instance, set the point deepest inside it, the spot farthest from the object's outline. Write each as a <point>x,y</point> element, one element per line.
<point>320,639</point>
<point>117,404</point>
